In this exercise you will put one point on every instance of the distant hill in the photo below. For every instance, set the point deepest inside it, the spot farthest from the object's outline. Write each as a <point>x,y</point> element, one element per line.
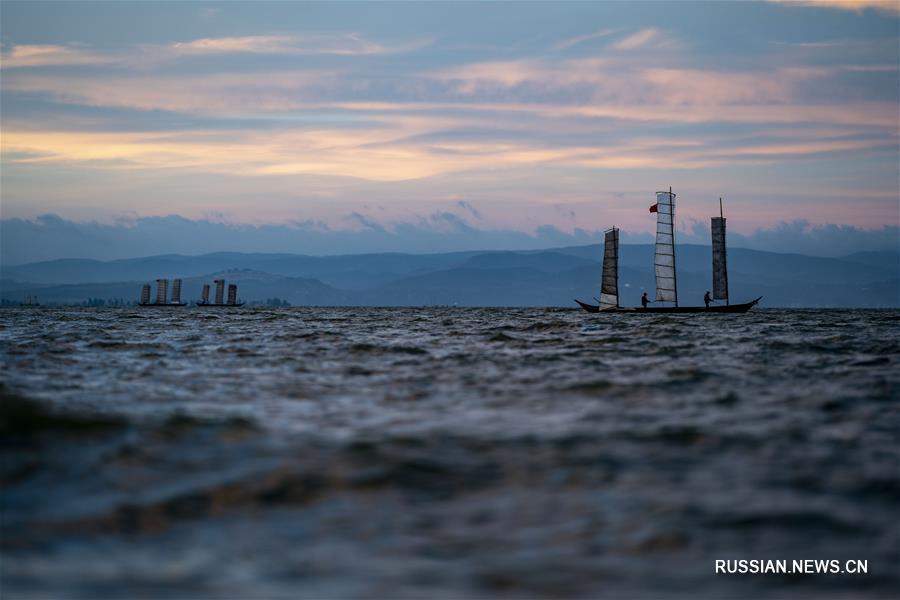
<point>533,278</point>
<point>351,271</point>
<point>882,260</point>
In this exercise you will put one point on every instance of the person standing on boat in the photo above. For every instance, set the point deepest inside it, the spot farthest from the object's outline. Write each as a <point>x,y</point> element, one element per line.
<point>645,300</point>
<point>706,299</point>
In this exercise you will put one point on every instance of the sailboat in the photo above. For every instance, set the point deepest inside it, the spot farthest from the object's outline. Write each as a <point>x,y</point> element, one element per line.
<point>162,294</point>
<point>664,267</point>
<point>220,296</point>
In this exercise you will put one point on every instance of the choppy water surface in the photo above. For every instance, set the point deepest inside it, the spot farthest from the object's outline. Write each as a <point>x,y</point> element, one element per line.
<point>388,453</point>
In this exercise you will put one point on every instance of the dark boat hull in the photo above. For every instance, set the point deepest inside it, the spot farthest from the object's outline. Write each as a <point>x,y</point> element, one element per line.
<point>168,305</point>
<point>591,308</point>
<point>727,309</point>
<point>208,305</point>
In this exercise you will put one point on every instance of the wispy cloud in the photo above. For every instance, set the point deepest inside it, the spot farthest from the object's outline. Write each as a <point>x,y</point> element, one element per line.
<point>210,93</point>
<point>40,55</point>
<point>636,40</point>
<point>470,79</point>
<point>347,44</point>
<point>563,45</point>
<point>468,207</point>
<point>890,6</point>
<point>870,68</point>
<point>399,146</point>
<point>18,56</point>
<point>256,44</point>
<point>705,87</point>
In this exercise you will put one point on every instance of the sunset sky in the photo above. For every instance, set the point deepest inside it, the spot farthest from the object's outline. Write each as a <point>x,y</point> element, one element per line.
<point>492,116</point>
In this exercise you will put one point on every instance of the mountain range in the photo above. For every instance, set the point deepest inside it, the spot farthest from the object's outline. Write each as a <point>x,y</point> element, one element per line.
<point>550,277</point>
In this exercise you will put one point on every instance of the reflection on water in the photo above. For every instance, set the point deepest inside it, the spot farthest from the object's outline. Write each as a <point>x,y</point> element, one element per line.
<point>444,452</point>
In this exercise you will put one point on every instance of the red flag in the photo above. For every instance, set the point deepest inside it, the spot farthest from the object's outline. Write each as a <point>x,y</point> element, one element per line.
<point>653,208</point>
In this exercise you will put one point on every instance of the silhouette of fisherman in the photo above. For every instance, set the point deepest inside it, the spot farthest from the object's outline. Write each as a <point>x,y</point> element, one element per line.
<point>644,300</point>
<point>706,299</point>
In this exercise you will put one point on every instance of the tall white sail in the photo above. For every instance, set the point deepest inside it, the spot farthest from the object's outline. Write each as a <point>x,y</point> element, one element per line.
<point>719,262</point>
<point>609,284</point>
<point>664,261</point>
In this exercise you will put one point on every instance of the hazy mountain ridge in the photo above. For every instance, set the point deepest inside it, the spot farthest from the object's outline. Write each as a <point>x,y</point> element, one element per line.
<point>530,278</point>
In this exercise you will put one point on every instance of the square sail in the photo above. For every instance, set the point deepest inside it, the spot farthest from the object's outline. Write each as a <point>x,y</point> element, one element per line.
<point>719,262</point>
<point>609,284</point>
<point>664,259</point>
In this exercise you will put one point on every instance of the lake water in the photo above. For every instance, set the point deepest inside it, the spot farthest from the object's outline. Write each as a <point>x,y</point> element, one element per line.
<point>388,453</point>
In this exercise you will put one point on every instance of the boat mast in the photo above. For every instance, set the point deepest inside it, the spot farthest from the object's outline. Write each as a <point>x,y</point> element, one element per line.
<point>674,270</point>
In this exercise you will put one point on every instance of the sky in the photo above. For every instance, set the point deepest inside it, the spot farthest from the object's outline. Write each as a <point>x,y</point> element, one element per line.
<point>439,126</point>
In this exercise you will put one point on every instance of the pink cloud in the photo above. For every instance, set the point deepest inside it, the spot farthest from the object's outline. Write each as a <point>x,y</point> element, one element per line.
<point>348,44</point>
<point>636,40</point>
<point>890,6</point>
<point>39,55</point>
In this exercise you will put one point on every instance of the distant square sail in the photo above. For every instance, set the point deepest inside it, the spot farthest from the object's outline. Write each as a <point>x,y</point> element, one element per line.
<point>162,291</point>
<point>719,259</point>
<point>609,285</point>
<point>220,291</point>
<point>664,260</point>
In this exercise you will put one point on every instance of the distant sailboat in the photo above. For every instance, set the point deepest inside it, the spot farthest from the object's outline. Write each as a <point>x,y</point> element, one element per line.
<point>609,279</point>
<point>220,296</point>
<point>162,294</point>
<point>664,267</point>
